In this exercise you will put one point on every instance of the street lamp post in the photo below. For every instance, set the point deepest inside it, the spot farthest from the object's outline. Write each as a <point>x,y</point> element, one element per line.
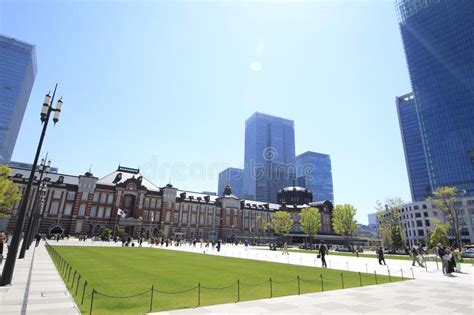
<point>44,168</point>
<point>46,111</point>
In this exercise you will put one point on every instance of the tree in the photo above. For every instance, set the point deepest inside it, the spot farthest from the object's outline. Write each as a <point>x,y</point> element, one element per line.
<point>310,221</point>
<point>344,223</point>
<point>447,199</point>
<point>439,235</point>
<point>388,217</point>
<point>9,192</point>
<point>261,225</point>
<point>282,222</point>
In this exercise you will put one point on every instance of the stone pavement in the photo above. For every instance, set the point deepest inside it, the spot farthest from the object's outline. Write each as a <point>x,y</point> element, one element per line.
<point>408,297</point>
<point>37,287</point>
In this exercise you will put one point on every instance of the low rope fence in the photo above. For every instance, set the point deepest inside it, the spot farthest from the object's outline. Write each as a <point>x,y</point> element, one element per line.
<point>73,280</point>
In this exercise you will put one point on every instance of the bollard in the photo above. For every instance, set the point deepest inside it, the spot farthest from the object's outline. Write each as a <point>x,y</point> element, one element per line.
<point>299,286</point>
<point>375,275</point>
<point>322,283</point>
<point>73,279</point>
<point>92,301</point>
<point>330,264</point>
<point>77,285</point>
<point>301,261</point>
<point>69,274</point>
<point>366,268</point>
<point>342,280</point>
<point>360,279</point>
<point>199,293</point>
<point>389,277</point>
<point>271,288</point>
<point>412,274</point>
<point>436,259</point>
<point>238,290</point>
<point>151,299</point>
<point>401,271</point>
<point>347,264</point>
<point>83,292</point>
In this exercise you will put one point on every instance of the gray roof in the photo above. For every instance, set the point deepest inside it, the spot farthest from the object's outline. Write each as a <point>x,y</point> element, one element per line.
<point>196,195</point>
<point>272,206</point>
<point>109,179</point>
<point>68,179</point>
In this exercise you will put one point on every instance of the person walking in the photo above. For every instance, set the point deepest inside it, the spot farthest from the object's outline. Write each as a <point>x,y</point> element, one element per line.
<point>381,256</point>
<point>442,255</point>
<point>285,249</point>
<point>457,259</point>
<point>2,241</point>
<point>38,239</point>
<point>414,254</point>
<point>322,254</point>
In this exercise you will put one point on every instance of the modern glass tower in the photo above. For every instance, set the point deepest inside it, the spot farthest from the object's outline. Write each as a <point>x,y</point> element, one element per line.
<point>313,171</point>
<point>233,177</point>
<point>415,158</point>
<point>269,156</point>
<point>17,74</point>
<point>438,38</point>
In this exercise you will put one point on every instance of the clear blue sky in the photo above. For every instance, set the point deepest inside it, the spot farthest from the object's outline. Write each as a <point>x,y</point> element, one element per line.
<point>161,84</point>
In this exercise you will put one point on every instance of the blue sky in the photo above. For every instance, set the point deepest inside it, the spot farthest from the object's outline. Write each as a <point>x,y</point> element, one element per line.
<point>168,85</point>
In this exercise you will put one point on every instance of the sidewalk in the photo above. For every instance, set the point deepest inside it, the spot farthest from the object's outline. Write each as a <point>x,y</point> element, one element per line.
<point>37,287</point>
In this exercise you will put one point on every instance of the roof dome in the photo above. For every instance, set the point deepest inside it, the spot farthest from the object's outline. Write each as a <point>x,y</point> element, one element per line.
<point>294,195</point>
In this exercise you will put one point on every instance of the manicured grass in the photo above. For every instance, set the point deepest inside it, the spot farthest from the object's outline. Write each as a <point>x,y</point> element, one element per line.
<point>126,271</point>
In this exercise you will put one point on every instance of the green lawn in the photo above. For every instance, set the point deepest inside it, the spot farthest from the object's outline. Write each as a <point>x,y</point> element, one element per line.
<point>126,271</point>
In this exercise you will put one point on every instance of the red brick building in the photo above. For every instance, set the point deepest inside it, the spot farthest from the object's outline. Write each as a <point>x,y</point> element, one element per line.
<point>78,205</point>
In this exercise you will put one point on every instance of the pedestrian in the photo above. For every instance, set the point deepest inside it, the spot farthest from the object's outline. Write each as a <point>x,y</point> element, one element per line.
<point>323,251</point>
<point>2,241</point>
<point>442,254</point>
<point>381,256</point>
<point>285,249</point>
<point>246,244</point>
<point>38,239</point>
<point>9,240</point>
<point>450,264</point>
<point>458,259</point>
<point>218,246</point>
<point>140,241</point>
<point>414,254</point>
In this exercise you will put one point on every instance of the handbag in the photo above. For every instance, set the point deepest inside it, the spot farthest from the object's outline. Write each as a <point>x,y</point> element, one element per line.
<point>318,256</point>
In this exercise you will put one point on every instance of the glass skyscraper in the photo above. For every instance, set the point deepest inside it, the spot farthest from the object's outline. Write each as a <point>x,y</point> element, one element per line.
<point>313,171</point>
<point>269,156</point>
<point>233,177</point>
<point>438,38</point>
<point>413,146</point>
<point>17,74</point>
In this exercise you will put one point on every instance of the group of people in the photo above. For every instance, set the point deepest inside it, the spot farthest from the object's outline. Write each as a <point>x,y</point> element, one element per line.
<point>451,259</point>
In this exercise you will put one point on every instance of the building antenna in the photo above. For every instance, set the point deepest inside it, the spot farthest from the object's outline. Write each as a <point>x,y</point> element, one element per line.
<point>90,168</point>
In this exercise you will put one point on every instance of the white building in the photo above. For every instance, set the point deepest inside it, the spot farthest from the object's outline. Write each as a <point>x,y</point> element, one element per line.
<point>417,219</point>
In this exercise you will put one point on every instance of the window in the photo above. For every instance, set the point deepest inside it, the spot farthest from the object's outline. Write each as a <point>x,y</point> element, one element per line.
<point>424,206</point>
<point>421,233</point>
<point>100,213</point>
<point>57,194</point>
<point>153,203</point>
<point>68,209</point>
<point>152,216</point>
<point>193,218</point>
<point>85,196</point>
<point>82,210</point>
<point>71,195</point>
<point>147,202</point>
<point>96,197</point>
<point>425,214</point>
<point>108,210</point>
<point>185,218</point>
<point>93,211</point>
<point>415,207</point>
<point>103,198</point>
<point>435,214</point>
<point>54,208</point>
<point>427,223</point>
<point>417,215</point>
<point>110,198</point>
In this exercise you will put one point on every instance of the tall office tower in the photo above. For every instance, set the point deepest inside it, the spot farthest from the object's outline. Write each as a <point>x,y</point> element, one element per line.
<point>415,158</point>
<point>17,75</point>
<point>233,177</point>
<point>313,171</point>
<point>438,38</point>
<point>269,156</point>
<point>372,219</point>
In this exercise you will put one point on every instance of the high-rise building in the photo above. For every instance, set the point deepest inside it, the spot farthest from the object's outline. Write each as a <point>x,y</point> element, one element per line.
<point>438,38</point>
<point>372,217</point>
<point>313,171</point>
<point>269,156</point>
<point>233,177</point>
<point>17,75</point>
<point>413,146</point>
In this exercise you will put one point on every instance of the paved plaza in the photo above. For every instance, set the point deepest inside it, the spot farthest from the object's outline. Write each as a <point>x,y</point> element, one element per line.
<point>38,289</point>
